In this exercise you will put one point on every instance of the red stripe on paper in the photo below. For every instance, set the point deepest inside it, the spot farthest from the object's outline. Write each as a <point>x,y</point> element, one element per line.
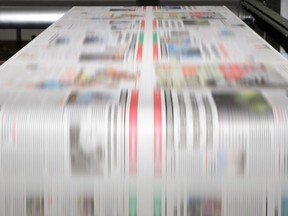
<point>157,133</point>
<point>142,24</point>
<point>278,114</point>
<point>133,133</point>
<point>139,52</point>
<point>154,24</point>
<point>155,52</point>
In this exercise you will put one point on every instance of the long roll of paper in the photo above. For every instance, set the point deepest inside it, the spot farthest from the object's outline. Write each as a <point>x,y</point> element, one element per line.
<point>176,110</point>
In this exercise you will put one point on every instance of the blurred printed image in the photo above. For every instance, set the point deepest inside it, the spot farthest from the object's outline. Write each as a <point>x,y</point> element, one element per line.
<point>249,101</point>
<point>87,206</point>
<point>231,163</point>
<point>34,206</point>
<point>203,207</point>
<point>87,157</point>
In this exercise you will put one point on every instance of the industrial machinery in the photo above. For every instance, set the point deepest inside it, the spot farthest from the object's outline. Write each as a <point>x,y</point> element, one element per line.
<point>139,108</point>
